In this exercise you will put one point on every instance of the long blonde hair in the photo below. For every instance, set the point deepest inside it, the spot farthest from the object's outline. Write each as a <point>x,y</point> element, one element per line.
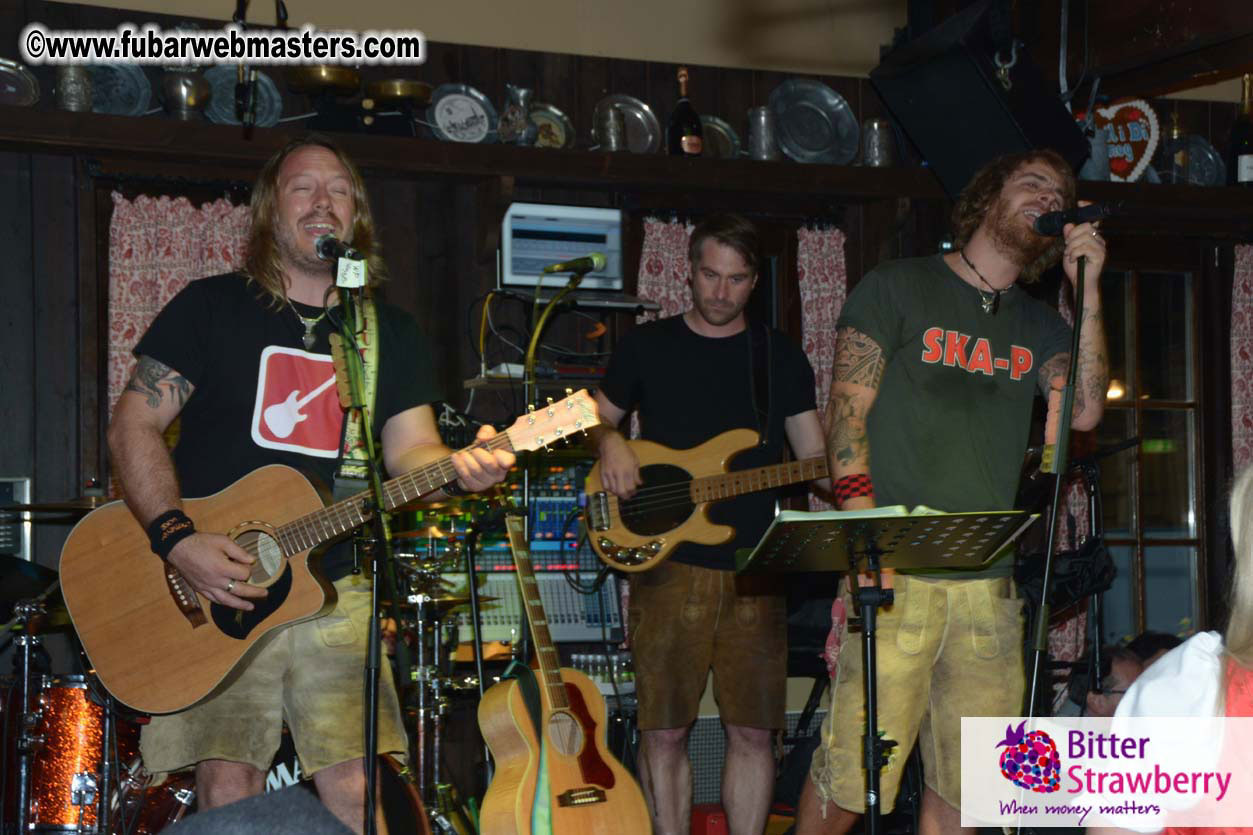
<point>262,263</point>
<point>1238,639</point>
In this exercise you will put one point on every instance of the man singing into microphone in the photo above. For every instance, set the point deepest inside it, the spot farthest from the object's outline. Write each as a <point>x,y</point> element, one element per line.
<point>937,362</point>
<point>244,360</point>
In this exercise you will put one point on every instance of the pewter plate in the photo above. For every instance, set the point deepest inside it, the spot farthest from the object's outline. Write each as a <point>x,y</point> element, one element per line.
<point>119,89</point>
<point>814,123</point>
<point>643,131</point>
<point>555,130</point>
<point>720,139</point>
<point>221,107</point>
<point>460,113</point>
<point>18,87</point>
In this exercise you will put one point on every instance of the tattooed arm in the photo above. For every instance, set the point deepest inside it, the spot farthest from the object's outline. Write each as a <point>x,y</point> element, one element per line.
<point>1092,373</point>
<point>151,401</point>
<point>854,385</point>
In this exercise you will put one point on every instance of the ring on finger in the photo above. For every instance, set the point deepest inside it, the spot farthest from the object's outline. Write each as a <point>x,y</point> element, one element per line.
<point>230,586</point>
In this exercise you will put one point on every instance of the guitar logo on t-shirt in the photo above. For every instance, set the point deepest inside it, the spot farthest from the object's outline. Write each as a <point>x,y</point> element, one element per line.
<point>297,408</point>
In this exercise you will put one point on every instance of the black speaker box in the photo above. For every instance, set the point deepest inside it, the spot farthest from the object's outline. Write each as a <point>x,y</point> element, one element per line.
<point>942,88</point>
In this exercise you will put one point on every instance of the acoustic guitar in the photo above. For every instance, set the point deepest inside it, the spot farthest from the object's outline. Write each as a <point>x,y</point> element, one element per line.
<point>557,777</point>
<point>672,504</point>
<point>157,646</point>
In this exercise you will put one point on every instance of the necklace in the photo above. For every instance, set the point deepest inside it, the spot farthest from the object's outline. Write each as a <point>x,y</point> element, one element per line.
<point>990,301</point>
<point>309,324</point>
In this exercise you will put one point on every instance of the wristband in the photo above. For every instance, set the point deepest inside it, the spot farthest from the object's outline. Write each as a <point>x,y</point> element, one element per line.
<point>852,486</point>
<point>167,530</point>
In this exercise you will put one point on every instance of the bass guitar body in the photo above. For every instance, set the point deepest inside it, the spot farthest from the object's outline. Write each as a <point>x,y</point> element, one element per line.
<point>638,533</point>
<point>560,780</point>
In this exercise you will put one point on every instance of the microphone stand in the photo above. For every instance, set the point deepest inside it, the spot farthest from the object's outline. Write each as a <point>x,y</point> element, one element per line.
<point>1065,415</point>
<point>382,549</point>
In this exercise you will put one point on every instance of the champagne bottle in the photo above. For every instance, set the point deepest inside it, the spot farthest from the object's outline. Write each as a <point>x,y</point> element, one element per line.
<point>1240,150</point>
<point>684,135</point>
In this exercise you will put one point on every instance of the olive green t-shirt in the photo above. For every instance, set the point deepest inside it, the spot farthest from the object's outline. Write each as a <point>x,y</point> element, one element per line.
<point>949,426</point>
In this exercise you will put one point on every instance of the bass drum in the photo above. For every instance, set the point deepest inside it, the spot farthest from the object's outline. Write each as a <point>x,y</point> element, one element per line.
<point>402,806</point>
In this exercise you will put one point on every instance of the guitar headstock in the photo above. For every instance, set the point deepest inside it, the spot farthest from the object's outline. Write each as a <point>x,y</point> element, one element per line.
<point>542,426</point>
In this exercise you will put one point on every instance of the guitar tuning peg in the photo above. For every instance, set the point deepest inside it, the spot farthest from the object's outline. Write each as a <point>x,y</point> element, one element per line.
<point>530,407</point>
<point>569,391</point>
<point>550,401</point>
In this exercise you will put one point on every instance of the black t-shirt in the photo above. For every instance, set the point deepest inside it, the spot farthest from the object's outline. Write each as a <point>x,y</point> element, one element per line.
<point>689,388</point>
<point>245,357</point>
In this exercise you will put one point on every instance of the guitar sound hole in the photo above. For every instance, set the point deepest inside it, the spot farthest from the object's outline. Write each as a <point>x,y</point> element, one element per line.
<point>267,550</point>
<point>662,503</point>
<point>565,733</point>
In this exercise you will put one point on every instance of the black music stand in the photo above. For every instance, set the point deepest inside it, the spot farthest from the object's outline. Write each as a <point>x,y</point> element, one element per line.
<point>871,540</point>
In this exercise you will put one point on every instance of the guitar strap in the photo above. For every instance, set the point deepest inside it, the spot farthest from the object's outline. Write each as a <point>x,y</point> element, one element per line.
<point>760,361</point>
<point>352,475</point>
<point>530,691</point>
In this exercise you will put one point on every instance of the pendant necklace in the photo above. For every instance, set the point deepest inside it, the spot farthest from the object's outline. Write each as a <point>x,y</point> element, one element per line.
<point>309,324</point>
<point>990,301</point>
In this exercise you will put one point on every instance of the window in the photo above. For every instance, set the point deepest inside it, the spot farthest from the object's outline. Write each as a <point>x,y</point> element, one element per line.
<point>1152,492</point>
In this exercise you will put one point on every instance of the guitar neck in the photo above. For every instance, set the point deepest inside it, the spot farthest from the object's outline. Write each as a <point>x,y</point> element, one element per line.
<point>313,529</point>
<point>528,587</point>
<point>728,485</point>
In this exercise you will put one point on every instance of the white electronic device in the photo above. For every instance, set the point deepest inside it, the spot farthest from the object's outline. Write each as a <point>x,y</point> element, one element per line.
<point>534,235</point>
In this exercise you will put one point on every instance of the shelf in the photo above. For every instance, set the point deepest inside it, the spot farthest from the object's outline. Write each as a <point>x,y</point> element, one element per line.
<point>157,144</point>
<point>157,138</point>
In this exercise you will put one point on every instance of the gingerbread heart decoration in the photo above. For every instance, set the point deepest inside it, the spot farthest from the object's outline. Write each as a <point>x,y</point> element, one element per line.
<point>1131,135</point>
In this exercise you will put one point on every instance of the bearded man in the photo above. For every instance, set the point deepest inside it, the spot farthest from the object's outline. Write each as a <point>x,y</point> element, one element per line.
<point>937,363</point>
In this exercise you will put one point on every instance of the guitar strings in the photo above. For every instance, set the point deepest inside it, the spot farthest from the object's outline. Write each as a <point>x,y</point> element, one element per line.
<point>661,496</point>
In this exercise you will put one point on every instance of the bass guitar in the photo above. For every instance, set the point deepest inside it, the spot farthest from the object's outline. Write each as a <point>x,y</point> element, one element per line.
<point>671,505</point>
<point>157,646</point>
<point>554,774</point>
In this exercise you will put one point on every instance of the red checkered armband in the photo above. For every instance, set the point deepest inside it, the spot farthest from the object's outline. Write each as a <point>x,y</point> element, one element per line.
<point>851,486</point>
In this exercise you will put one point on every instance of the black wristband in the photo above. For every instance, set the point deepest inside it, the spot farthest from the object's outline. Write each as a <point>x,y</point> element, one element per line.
<point>167,530</point>
<point>453,490</point>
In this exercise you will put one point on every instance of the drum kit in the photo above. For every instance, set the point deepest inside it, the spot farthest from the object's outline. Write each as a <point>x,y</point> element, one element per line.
<point>434,546</point>
<point>70,755</point>
<point>71,759</point>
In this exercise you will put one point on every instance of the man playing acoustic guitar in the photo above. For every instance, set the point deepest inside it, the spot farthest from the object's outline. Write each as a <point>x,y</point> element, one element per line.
<point>693,377</point>
<point>243,360</point>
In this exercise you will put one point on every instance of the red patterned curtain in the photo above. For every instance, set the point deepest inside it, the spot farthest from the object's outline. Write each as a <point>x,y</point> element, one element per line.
<point>1068,629</point>
<point>664,268</point>
<point>157,245</point>
<point>823,282</point>
<point>1242,360</point>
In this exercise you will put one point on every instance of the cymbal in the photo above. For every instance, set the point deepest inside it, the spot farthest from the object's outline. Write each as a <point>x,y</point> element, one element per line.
<point>445,602</point>
<point>24,580</point>
<point>83,504</point>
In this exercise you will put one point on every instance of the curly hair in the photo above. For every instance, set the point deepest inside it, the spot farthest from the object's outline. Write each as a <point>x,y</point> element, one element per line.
<point>983,190</point>
<point>263,264</point>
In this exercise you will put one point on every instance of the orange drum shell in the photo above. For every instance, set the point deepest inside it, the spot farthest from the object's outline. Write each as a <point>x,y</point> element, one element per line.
<point>72,728</point>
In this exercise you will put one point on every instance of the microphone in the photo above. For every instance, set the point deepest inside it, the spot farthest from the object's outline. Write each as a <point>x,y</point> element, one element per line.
<point>590,263</point>
<point>331,248</point>
<point>1050,225</point>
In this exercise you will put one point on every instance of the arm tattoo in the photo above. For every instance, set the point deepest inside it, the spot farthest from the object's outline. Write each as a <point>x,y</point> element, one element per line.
<point>846,430</point>
<point>153,379</point>
<point>1058,366</point>
<point>858,358</point>
<point>855,379</point>
<point>1093,371</point>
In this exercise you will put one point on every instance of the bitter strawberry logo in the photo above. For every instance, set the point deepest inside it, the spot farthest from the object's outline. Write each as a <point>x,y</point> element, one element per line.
<point>1030,759</point>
